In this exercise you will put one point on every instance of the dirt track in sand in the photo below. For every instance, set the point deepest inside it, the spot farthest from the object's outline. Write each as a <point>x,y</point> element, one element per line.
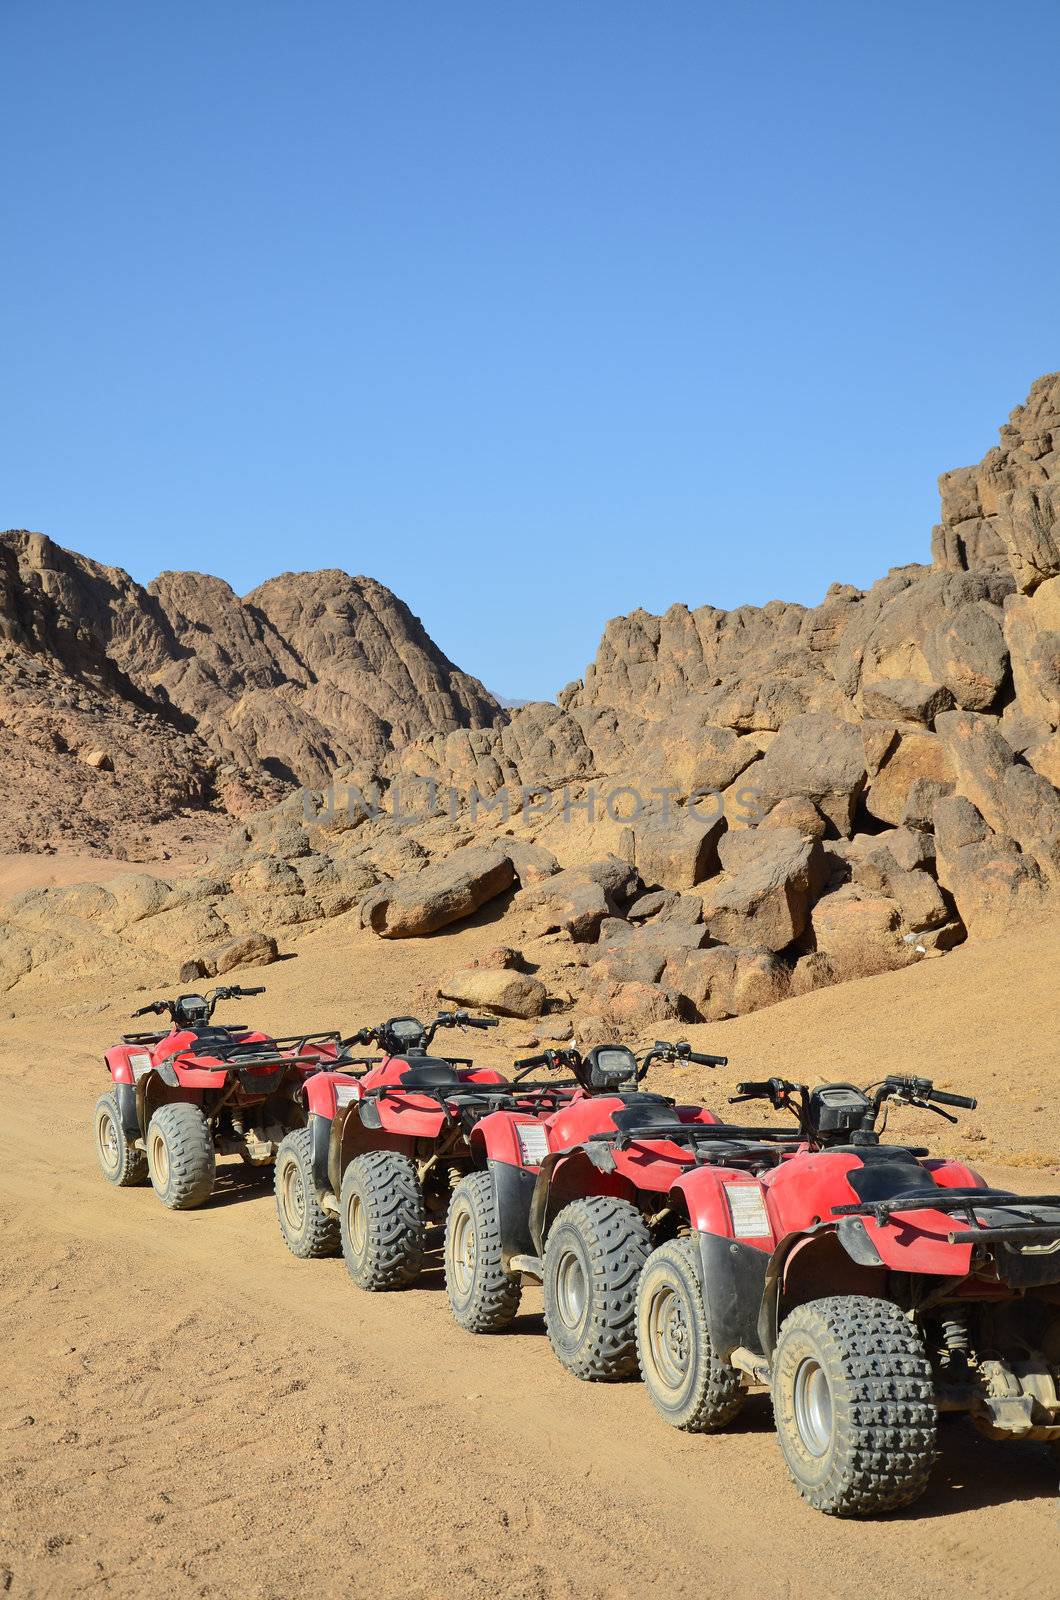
<point>186,1409</point>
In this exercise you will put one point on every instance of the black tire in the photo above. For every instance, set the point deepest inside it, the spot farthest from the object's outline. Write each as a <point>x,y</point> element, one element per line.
<point>689,1386</point>
<point>120,1162</point>
<point>854,1403</point>
<point>483,1297</point>
<point>180,1156</point>
<point>594,1255</point>
<point>309,1231</point>
<point>381,1219</point>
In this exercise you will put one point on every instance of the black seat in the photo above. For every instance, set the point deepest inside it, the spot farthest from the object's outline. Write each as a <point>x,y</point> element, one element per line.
<point>644,1118</point>
<point>430,1073</point>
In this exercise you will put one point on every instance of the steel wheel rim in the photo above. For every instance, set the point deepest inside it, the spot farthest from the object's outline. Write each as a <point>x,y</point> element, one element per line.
<point>572,1289</point>
<point>357,1225</point>
<point>669,1339</point>
<point>107,1138</point>
<point>813,1407</point>
<point>159,1159</point>
<point>462,1257</point>
<point>292,1191</point>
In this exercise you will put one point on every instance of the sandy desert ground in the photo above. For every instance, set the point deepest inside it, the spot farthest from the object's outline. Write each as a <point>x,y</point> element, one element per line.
<point>188,1410</point>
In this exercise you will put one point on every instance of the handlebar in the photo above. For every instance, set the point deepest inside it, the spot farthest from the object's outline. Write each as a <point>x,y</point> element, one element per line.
<point>966,1102</point>
<point>232,991</point>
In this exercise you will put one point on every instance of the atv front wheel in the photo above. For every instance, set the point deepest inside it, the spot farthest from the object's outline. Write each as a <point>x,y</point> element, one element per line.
<point>593,1258</point>
<point>180,1156</point>
<point>121,1162</point>
<point>483,1297</point>
<point>381,1219</point>
<point>308,1230</point>
<point>854,1404</point>
<point>688,1384</point>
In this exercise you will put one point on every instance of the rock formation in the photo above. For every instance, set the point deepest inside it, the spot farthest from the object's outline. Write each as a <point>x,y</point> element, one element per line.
<point>811,794</point>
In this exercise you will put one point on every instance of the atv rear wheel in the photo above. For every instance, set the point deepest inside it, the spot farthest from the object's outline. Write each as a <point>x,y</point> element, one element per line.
<point>483,1297</point>
<point>308,1230</point>
<point>381,1219</point>
<point>689,1385</point>
<point>593,1258</point>
<point>120,1161</point>
<point>854,1403</point>
<point>180,1156</point>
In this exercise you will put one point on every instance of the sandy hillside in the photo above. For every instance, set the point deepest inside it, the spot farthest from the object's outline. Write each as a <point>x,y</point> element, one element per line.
<point>189,1410</point>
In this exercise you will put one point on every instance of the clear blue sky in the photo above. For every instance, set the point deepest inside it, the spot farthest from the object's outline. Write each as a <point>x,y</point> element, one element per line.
<point>535,312</point>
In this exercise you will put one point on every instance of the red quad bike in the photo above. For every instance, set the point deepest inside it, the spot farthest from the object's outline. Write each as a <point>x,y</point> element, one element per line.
<point>374,1166</point>
<point>182,1096</point>
<point>574,1198</point>
<point>867,1287</point>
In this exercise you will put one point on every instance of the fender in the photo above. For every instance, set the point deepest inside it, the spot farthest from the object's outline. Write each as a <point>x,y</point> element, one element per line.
<point>125,1093</point>
<point>495,1143</point>
<point>567,1175</point>
<point>319,1151</point>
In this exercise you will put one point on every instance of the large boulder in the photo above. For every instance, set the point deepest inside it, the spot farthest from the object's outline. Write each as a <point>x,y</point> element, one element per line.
<point>763,897</point>
<point>911,757</point>
<point>1032,631</point>
<point>992,882</point>
<point>677,851</point>
<point>906,700</point>
<point>873,865</point>
<point>1029,523</point>
<point>860,933</point>
<point>442,893</point>
<point>498,989</point>
<point>640,954</point>
<point>727,982</point>
<point>577,900</point>
<point>1014,799</point>
<point>818,758</point>
<point>253,949</point>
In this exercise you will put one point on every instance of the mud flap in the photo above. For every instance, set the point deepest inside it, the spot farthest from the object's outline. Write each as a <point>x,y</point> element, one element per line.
<point>320,1146</point>
<point>126,1097</point>
<point>733,1280</point>
<point>514,1190</point>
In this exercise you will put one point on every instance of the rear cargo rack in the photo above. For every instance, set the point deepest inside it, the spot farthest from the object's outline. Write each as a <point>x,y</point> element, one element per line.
<point>966,1204</point>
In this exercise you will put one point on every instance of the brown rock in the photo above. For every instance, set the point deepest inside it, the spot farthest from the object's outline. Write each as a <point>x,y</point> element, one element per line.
<point>249,950</point>
<point>817,758</point>
<point>508,994</point>
<point>798,813</point>
<point>859,933</point>
<point>1016,801</point>
<point>992,882</point>
<point>677,852</point>
<point>442,893</point>
<point>634,1005</point>
<point>726,982</point>
<point>906,700</point>
<point>918,812</point>
<point>915,756</point>
<point>763,897</point>
<point>1032,632</point>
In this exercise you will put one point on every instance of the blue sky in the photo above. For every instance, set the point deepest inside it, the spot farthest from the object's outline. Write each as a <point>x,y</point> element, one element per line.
<point>537,313</point>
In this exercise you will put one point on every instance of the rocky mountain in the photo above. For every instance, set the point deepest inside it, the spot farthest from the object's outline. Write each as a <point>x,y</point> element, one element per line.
<point>731,808</point>
<point>120,705</point>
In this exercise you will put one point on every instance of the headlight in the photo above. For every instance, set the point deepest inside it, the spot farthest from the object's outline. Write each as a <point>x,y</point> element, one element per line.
<point>533,1143</point>
<point>748,1211</point>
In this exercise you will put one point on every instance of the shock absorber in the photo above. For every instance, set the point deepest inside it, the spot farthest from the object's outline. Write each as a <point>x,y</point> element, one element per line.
<point>955,1339</point>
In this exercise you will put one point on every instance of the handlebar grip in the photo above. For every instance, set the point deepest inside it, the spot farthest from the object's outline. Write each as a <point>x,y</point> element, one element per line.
<point>258,989</point>
<point>531,1061</point>
<point>710,1061</point>
<point>482,1022</point>
<point>752,1089</point>
<point>964,1101</point>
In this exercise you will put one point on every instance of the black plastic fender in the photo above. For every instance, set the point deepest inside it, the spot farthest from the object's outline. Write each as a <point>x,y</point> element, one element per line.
<point>854,1240</point>
<point>319,1148</point>
<point>125,1094</point>
<point>733,1281</point>
<point>513,1189</point>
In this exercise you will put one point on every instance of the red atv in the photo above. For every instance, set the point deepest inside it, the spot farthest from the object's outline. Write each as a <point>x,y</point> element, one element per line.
<point>184,1095</point>
<point>868,1287</point>
<point>575,1198</point>
<point>374,1166</point>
